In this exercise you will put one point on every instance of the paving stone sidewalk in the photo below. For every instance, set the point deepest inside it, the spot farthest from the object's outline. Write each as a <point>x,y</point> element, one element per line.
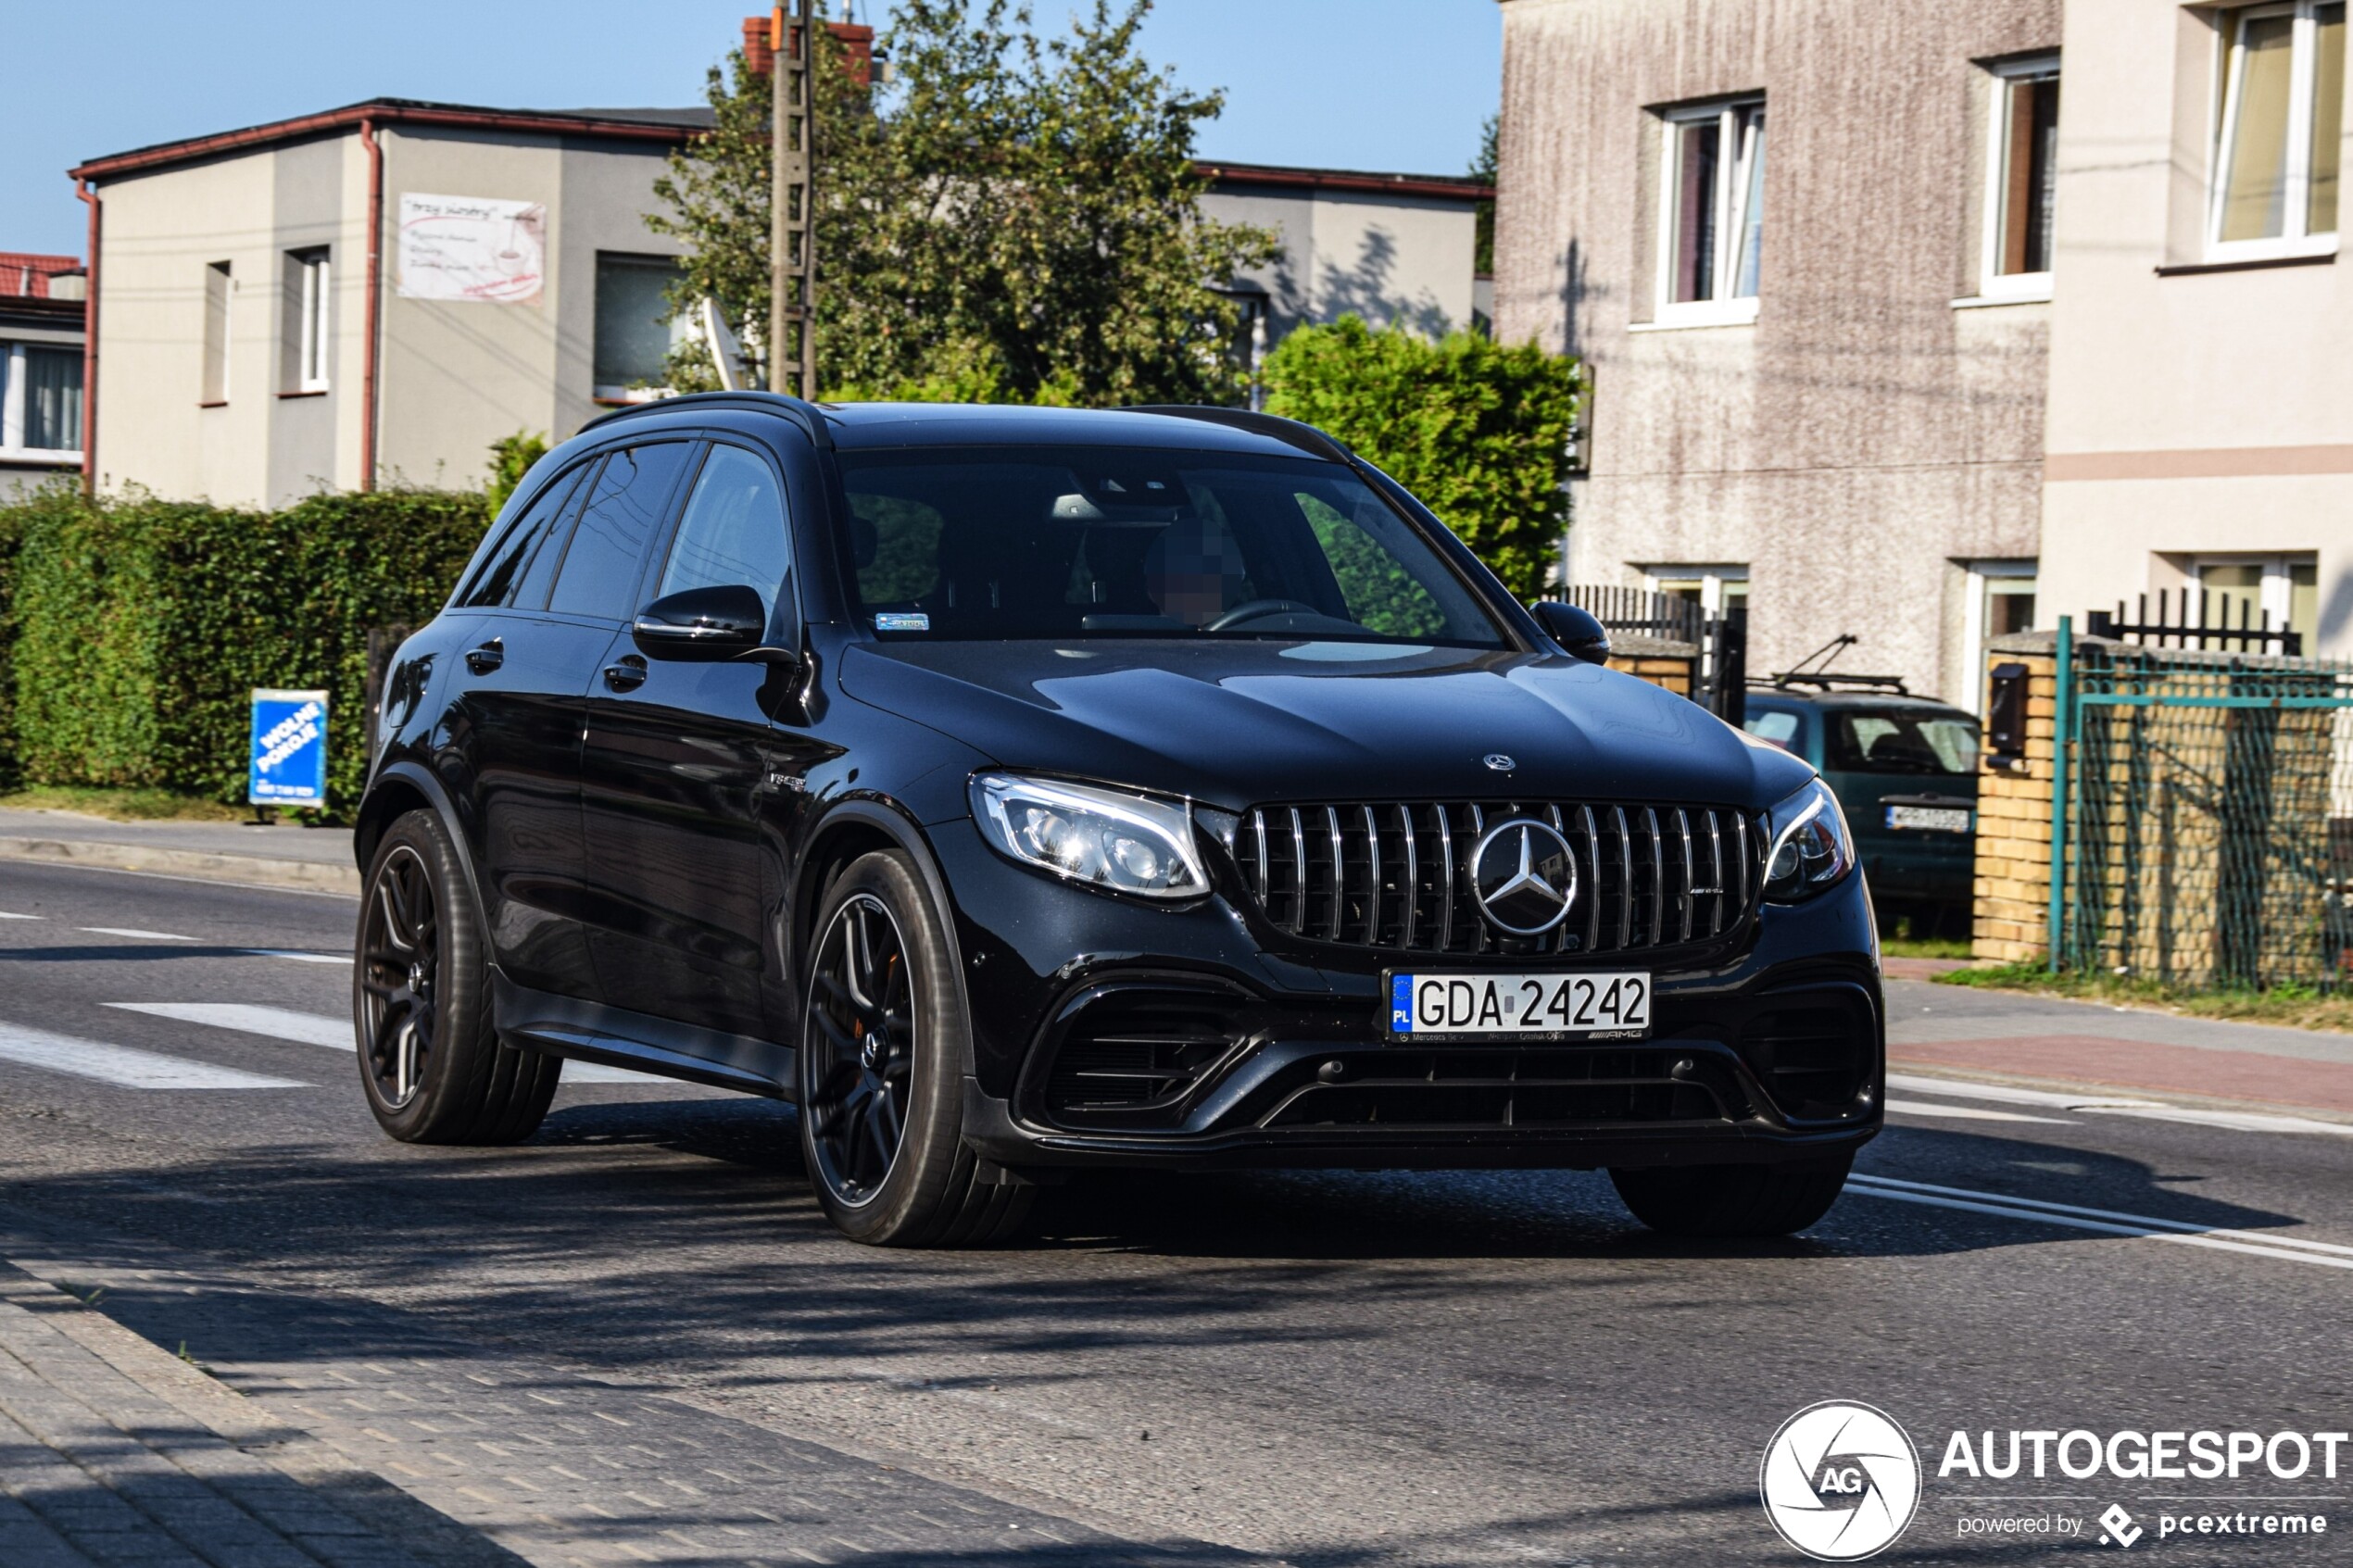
<point>113,1451</point>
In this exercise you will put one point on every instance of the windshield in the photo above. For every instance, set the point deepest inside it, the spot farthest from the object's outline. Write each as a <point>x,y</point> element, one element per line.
<point>1100,542</point>
<point>1901,743</point>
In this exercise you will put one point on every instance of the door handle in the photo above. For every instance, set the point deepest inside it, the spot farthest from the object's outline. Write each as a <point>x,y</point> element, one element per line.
<point>485,658</point>
<point>627,675</point>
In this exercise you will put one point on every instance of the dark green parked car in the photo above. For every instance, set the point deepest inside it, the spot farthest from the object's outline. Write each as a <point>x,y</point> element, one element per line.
<point>1905,771</point>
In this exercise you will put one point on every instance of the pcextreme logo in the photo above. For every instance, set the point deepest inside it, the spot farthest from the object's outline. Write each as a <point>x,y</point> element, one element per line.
<point>1839,1481</point>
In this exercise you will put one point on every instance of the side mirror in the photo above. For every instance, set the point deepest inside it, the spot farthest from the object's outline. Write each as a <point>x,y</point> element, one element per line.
<point>702,625</point>
<point>1575,629</point>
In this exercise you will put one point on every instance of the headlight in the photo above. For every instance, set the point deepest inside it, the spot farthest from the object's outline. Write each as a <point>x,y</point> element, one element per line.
<point>1810,847</point>
<point>1101,837</point>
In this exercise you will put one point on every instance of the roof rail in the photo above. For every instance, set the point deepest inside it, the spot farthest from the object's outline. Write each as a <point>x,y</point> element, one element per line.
<point>812,417</point>
<point>1833,681</point>
<point>1306,437</point>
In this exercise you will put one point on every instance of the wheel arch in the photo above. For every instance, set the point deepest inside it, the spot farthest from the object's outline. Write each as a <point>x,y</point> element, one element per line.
<point>403,787</point>
<point>849,830</point>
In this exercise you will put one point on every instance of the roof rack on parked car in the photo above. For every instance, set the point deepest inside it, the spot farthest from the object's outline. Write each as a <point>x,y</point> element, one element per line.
<point>1823,680</point>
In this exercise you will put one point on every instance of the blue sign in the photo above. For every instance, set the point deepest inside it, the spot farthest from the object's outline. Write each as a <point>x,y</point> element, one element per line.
<point>289,763</point>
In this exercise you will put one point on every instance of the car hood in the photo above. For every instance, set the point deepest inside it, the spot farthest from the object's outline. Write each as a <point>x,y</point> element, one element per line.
<point>1244,721</point>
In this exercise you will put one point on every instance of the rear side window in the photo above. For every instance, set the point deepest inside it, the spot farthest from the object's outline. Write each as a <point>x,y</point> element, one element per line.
<point>734,530</point>
<point>599,572</point>
<point>1780,728</point>
<point>1896,742</point>
<point>512,558</point>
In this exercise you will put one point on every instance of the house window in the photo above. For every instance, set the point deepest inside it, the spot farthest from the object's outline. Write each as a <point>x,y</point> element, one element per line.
<point>2021,180</point>
<point>635,333</point>
<point>218,288</point>
<point>308,297</point>
<point>2275,162</point>
<point>2001,601</point>
<point>2283,590</point>
<point>1711,229</point>
<point>41,399</point>
<point>1718,590</point>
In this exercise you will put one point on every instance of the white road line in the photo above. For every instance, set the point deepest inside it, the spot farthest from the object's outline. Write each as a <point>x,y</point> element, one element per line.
<point>120,1064</point>
<point>2004,1094</point>
<point>299,958</point>
<point>2235,1121</point>
<point>1971,1112</point>
<point>335,1034</point>
<point>2109,1221</point>
<point>133,931</point>
<point>278,1023</point>
<point>5,915</point>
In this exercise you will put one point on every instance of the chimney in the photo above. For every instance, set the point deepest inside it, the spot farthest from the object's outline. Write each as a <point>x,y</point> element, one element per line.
<point>857,47</point>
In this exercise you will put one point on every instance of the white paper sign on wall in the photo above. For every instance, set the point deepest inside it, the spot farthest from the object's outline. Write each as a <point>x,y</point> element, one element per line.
<point>472,248</point>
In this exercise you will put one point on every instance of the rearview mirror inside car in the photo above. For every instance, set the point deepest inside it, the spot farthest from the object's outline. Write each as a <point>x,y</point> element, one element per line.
<point>1575,629</point>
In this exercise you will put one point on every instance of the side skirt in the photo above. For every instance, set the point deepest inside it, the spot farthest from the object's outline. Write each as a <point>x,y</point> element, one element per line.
<point>592,1032</point>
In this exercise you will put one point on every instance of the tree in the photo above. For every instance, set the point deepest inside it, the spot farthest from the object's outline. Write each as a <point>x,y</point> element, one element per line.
<point>1014,219</point>
<point>1478,431</point>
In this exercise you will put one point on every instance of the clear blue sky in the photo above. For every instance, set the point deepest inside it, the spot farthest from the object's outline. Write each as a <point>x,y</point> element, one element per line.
<point>1388,84</point>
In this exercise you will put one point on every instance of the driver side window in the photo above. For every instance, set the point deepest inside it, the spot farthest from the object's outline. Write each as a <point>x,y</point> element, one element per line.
<point>734,530</point>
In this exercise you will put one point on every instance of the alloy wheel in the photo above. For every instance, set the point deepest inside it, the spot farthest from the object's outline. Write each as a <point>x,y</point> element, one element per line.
<point>859,1050</point>
<point>400,946</point>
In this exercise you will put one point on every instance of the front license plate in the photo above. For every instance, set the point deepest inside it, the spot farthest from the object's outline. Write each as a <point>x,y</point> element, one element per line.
<point>1935,819</point>
<point>1439,1005</point>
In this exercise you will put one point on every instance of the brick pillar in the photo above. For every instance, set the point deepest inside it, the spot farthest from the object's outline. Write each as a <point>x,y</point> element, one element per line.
<point>2012,909</point>
<point>1659,661</point>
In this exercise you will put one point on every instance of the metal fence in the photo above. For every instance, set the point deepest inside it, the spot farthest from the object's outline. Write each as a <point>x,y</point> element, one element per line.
<point>2206,834</point>
<point>1719,681</point>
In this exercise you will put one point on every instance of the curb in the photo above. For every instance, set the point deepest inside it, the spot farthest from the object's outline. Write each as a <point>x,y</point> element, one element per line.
<point>252,871</point>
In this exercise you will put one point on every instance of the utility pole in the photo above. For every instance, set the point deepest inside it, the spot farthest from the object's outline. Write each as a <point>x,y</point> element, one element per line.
<point>792,317</point>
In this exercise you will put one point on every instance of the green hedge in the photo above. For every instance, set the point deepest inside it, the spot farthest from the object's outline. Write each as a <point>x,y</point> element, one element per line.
<point>139,626</point>
<point>1480,431</point>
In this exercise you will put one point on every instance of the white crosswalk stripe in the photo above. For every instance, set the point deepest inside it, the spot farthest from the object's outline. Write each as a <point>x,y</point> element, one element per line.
<point>133,931</point>
<point>323,1029</point>
<point>121,1065</point>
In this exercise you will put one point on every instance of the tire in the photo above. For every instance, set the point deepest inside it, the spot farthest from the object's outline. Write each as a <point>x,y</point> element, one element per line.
<point>430,1062</point>
<point>883,1043</point>
<point>1732,1200</point>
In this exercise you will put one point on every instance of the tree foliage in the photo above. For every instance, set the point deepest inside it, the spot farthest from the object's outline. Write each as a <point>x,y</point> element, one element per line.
<point>1477,429</point>
<point>1014,219</point>
<point>1485,168</point>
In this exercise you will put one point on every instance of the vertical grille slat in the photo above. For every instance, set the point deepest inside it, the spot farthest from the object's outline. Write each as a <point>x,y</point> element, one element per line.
<point>1338,876</point>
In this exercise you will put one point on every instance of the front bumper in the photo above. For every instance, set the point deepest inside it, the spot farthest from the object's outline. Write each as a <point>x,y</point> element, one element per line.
<point>1110,1032</point>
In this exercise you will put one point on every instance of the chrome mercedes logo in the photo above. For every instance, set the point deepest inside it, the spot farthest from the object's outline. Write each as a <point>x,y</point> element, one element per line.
<point>1524,876</point>
<point>1498,762</point>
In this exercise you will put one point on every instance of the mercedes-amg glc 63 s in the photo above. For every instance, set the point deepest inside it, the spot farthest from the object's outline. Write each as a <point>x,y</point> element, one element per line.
<point>1019,792</point>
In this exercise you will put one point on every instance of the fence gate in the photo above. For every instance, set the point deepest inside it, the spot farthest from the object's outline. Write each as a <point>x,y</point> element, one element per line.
<point>1720,680</point>
<point>2206,834</point>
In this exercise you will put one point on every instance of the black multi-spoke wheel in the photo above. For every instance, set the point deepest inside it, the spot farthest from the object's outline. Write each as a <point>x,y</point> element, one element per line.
<point>399,948</point>
<point>861,1050</point>
<point>883,1043</point>
<point>429,1059</point>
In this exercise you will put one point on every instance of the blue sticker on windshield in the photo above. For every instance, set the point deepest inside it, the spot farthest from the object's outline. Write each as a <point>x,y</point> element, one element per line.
<point>895,622</point>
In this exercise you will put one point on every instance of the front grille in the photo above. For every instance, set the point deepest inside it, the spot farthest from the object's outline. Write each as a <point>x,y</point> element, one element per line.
<point>1506,1088</point>
<point>1395,877</point>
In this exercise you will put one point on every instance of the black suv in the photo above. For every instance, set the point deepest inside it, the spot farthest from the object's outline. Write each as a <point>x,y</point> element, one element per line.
<point>1022,790</point>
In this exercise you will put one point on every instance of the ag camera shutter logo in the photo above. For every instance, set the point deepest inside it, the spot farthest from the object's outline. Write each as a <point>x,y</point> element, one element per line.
<point>1839,1481</point>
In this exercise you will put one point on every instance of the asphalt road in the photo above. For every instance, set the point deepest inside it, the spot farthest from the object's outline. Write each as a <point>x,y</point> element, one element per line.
<point>1328,1369</point>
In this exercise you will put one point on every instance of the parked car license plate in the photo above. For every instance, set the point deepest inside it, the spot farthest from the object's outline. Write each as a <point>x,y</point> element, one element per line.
<point>1935,819</point>
<point>1437,1006</point>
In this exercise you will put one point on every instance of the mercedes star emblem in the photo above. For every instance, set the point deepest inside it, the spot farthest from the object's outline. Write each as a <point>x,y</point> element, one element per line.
<point>1498,762</point>
<point>1525,875</point>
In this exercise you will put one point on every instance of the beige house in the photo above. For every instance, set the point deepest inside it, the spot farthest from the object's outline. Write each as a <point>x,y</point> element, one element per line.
<point>1885,342</point>
<point>374,293</point>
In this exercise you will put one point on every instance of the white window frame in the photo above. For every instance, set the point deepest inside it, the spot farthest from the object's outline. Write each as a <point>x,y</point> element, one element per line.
<point>12,410</point>
<point>2303,66</point>
<point>314,344</point>
<point>214,389</point>
<point>1730,200</point>
<point>2276,597</point>
<point>1983,575</point>
<point>1992,281</point>
<point>1711,577</point>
